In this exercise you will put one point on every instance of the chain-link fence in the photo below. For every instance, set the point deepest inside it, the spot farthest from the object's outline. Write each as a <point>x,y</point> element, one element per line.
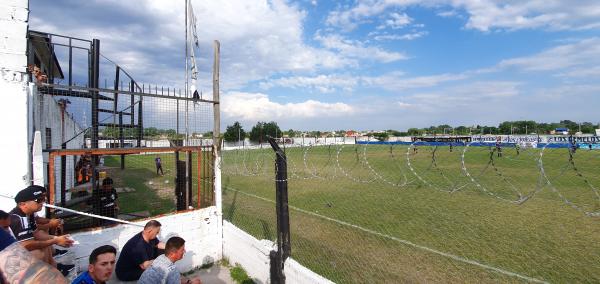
<point>426,213</point>
<point>147,130</point>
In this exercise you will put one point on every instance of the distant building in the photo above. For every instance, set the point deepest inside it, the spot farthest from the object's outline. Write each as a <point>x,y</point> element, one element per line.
<point>351,133</point>
<point>560,130</point>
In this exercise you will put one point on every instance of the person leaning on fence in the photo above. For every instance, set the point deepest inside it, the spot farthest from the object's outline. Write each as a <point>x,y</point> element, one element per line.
<point>139,252</point>
<point>23,226</point>
<point>163,269</point>
<point>104,202</point>
<point>100,268</point>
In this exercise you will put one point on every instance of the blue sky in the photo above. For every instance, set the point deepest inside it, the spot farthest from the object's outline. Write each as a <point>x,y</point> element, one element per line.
<point>376,64</point>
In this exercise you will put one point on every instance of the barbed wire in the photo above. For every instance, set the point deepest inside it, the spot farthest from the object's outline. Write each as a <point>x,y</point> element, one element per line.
<point>361,163</point>
<point>569,164</point>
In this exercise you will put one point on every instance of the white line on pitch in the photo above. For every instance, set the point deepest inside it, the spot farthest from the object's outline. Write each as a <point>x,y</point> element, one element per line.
<point>455,257</point>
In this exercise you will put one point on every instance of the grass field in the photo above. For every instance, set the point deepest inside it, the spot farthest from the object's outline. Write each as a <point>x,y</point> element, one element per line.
<point>375,214</point>
<point>155,193</point>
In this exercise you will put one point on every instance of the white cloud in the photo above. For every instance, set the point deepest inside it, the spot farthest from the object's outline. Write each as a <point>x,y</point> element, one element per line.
<point>252,107</point>
<point>485,15</point>
<point>584,52</point>
<point>397,21</point>
<point>403,105</point>
<point>409,36</point>
<point>572,91</point>
<point>356,49</point>
<point>254,41</point>
<point>447,14</point>
<point>397,82</point>
<point>581,72</point>
<point>321,83</point>
<point>349,19</point>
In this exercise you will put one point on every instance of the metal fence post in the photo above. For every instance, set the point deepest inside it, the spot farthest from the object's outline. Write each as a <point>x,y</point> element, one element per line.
<point>283,221</point>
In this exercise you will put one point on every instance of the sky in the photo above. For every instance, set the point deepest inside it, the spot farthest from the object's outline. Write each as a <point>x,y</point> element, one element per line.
<point>362,65</point>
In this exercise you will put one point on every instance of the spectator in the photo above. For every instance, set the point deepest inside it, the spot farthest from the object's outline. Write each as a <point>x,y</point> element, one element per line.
<point>163,269</point>
<point>104,202</point>
<point>102,263</point>
<point>5,223</point>
<point>20,266</point>
<point>6,238</point>
<point>139,252</point>
<point>52,226</point>
<point>23,225</point>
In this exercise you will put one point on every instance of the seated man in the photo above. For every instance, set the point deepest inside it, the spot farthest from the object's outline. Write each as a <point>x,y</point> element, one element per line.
<point>5,222</point>
<point>104,202</point>
<point>6,238</point>
<point>139,252</point>
<point>163,269</point>
<point>23,226</point>
<point>51,226</point>
<point>102,263</point>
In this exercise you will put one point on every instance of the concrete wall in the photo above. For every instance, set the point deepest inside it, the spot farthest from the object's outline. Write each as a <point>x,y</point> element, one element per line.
<point>14,168</point>
<point>253,255</point>
<point>199,228</point>
<point>47,113</point>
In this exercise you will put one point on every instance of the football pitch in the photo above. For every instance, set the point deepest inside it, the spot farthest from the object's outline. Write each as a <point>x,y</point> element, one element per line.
<point>380,213</point>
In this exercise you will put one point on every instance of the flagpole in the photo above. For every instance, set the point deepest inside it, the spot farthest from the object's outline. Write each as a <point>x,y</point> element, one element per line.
<point>187,134</point>
<point>188,160</point>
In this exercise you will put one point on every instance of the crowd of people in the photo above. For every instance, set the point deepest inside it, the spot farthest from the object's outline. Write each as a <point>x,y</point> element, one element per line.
<point>28,254</point>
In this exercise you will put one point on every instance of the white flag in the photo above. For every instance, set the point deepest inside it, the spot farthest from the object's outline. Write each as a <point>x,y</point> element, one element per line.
<point>192,39</point>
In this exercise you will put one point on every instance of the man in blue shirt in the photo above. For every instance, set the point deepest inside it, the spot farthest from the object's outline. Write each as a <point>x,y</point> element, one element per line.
<point>6,239</point>
<point>102,262</point>
<point>139,252</point>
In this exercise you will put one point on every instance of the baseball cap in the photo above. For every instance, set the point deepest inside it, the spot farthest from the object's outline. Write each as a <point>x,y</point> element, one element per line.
<point>32,192</point>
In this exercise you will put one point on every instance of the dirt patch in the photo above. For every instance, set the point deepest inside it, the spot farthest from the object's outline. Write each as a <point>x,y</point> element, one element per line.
<point>163,187</point>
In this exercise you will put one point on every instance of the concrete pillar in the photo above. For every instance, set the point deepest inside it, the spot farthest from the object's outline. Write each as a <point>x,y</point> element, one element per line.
<point>14,93</point>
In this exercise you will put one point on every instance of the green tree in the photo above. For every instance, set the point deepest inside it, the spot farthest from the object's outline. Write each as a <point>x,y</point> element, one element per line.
<point>234,132</point>
<point>413,131</point>
<point>587,127</point>
<point>291,133</point>
<point>262,130</point>
<point>151,132</point>
<point>461,130</point>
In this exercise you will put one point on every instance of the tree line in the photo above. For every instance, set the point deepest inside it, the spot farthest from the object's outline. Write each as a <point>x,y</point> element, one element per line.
<point>149,132</point>
<point>506,128</point>
<point>262,130</point>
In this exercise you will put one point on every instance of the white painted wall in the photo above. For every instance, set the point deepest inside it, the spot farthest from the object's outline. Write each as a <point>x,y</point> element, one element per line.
<point>198,228</point>
<point>14,168</point>
<point>47,113</point>
<point>253,256</point>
